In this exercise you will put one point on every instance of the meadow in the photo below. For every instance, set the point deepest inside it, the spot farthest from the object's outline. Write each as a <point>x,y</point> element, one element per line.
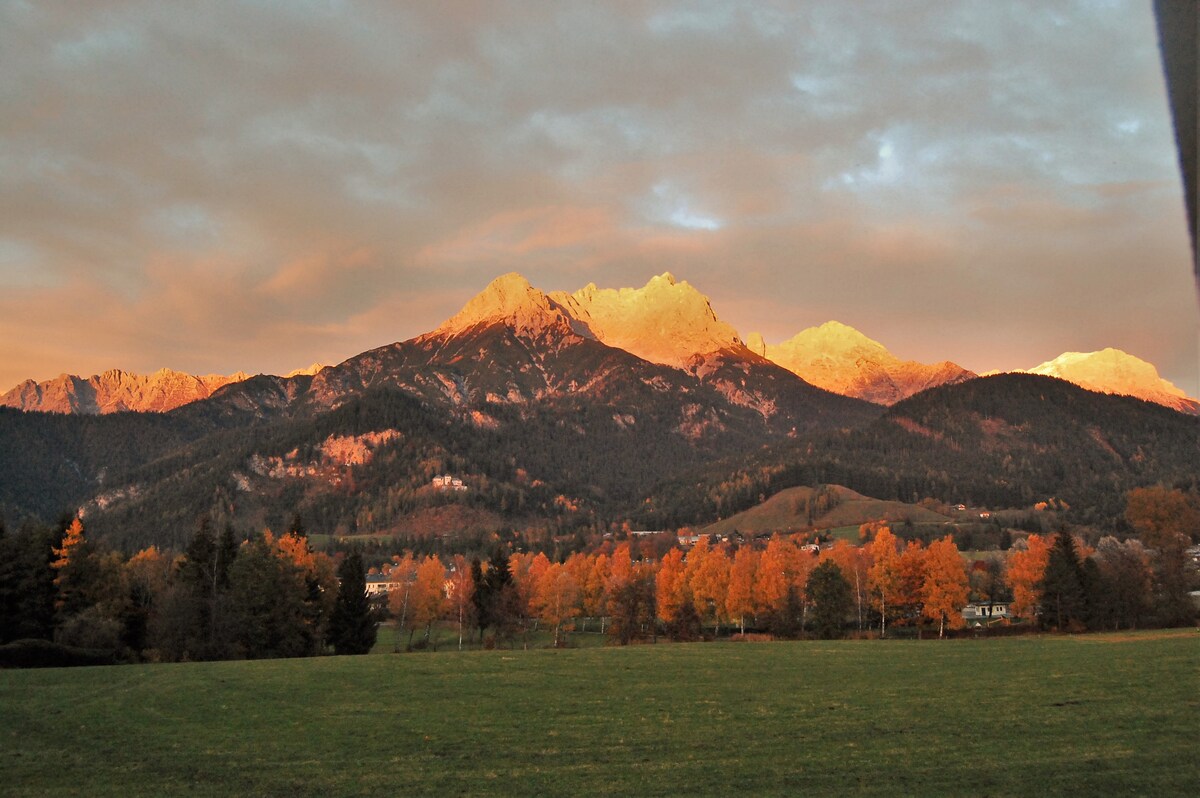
<point>1090,714</point>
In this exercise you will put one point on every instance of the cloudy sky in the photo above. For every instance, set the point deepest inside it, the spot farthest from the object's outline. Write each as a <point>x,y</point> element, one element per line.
<point>258,185</point>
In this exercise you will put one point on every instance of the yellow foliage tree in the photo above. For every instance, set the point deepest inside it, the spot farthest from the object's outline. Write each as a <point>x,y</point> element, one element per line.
<point>428,600</point>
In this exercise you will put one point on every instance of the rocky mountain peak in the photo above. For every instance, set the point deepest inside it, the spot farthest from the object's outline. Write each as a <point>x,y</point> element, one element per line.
<point>665,321</point>
<point>511,300</point>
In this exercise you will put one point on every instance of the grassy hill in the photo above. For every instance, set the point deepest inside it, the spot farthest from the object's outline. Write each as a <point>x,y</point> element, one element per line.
<point>795,509</point>
<point>1098,714</point>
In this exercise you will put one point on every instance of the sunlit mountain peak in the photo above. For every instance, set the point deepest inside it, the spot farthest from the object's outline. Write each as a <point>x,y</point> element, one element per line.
<point>511,299</point>
<point>665,321</point>
<point>839,358</point>
<point>1114,371</point>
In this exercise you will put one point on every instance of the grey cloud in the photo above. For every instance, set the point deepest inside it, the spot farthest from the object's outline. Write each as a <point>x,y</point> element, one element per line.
<point>916,168</point>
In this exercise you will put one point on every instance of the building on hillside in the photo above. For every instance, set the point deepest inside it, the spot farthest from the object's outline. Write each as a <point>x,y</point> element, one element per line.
<point>448,482</point>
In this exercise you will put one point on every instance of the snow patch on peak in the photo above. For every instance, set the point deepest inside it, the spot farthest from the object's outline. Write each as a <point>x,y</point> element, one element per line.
<point>1114,371</point>
<point>311,371</point>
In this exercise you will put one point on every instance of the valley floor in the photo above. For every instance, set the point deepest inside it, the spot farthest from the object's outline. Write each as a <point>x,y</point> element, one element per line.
<point>1087,715</point>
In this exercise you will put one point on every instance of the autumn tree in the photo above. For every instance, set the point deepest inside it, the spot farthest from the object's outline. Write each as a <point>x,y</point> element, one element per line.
<point>910,598</point>
<point>633,604</point>
<point>1166,521</point>
<point>1126,583</point>
<point>554,598</point>
<point>855,563</point>
<point>320,582</point>
<point>462,590</point>
<point>1025,569</point>
<point>829,593</point>
<point>352,627</point>
<point>883,577</point>
<point>145,578</point>
<point>739,597</point>
<point>74,569</point>
<point>944,591</point>
<point>400,586</point>
<point>428,596</point>
<point>671,586</point>
<point>708,579</point>
<point>595,589</point>
<point>780,581</point>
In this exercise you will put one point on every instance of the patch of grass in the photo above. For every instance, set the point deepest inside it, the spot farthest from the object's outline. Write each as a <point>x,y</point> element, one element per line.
<point>1016,716</point>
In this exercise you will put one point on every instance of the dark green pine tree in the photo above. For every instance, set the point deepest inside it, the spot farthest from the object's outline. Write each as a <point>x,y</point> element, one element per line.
<point>1064,599</point>
<point>831,600</point>
<point>479,596</point>
<point>296,527</point>
<point>352,625</point>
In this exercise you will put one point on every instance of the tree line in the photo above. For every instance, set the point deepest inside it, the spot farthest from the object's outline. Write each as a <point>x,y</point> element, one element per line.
<point>223,597</point>
<point>271,595</point>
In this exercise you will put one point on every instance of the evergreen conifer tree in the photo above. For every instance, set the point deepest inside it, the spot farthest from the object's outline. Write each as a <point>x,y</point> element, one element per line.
<point>1064,599</point>
<point>831,598</point>
<point>352,625</point>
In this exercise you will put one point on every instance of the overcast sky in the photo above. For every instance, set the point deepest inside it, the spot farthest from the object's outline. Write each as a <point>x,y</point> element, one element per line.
<point>258,185</point>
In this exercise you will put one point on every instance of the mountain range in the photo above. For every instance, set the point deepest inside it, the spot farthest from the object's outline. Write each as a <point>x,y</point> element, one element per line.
<point>566,411</point>
<point>667,322</point>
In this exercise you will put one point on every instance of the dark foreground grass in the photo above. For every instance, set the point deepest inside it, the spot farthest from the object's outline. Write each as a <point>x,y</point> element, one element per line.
<point>1090,715</point>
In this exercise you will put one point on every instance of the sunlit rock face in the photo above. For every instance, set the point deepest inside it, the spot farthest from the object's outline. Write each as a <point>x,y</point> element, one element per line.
<point>665,321</point>
<point>115,391</point>
<point>1113,371</point>
<point>511,300</point>
<point>839,358</point>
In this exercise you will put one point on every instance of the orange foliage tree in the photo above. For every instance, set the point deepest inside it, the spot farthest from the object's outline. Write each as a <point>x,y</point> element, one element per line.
<point>671,585</point>
<point>883,577</point>
<point>594,586</point>
<point>428,594</point>
<point>70,564</point>
<point>1024,573</point>
<point>555,596</point>
<point>739,597</point>
<point>781,568</point>
<point>708,579</point>
<point>855,561</point>
<point>944,592</point>
<point>910,599</point>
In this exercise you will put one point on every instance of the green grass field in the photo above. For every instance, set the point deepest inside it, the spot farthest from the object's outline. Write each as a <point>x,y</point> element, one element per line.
<point>1088,715</point>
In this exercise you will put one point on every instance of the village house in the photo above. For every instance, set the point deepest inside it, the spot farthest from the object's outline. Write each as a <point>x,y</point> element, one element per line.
<point>377,584</point>
<point>980,614</point>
